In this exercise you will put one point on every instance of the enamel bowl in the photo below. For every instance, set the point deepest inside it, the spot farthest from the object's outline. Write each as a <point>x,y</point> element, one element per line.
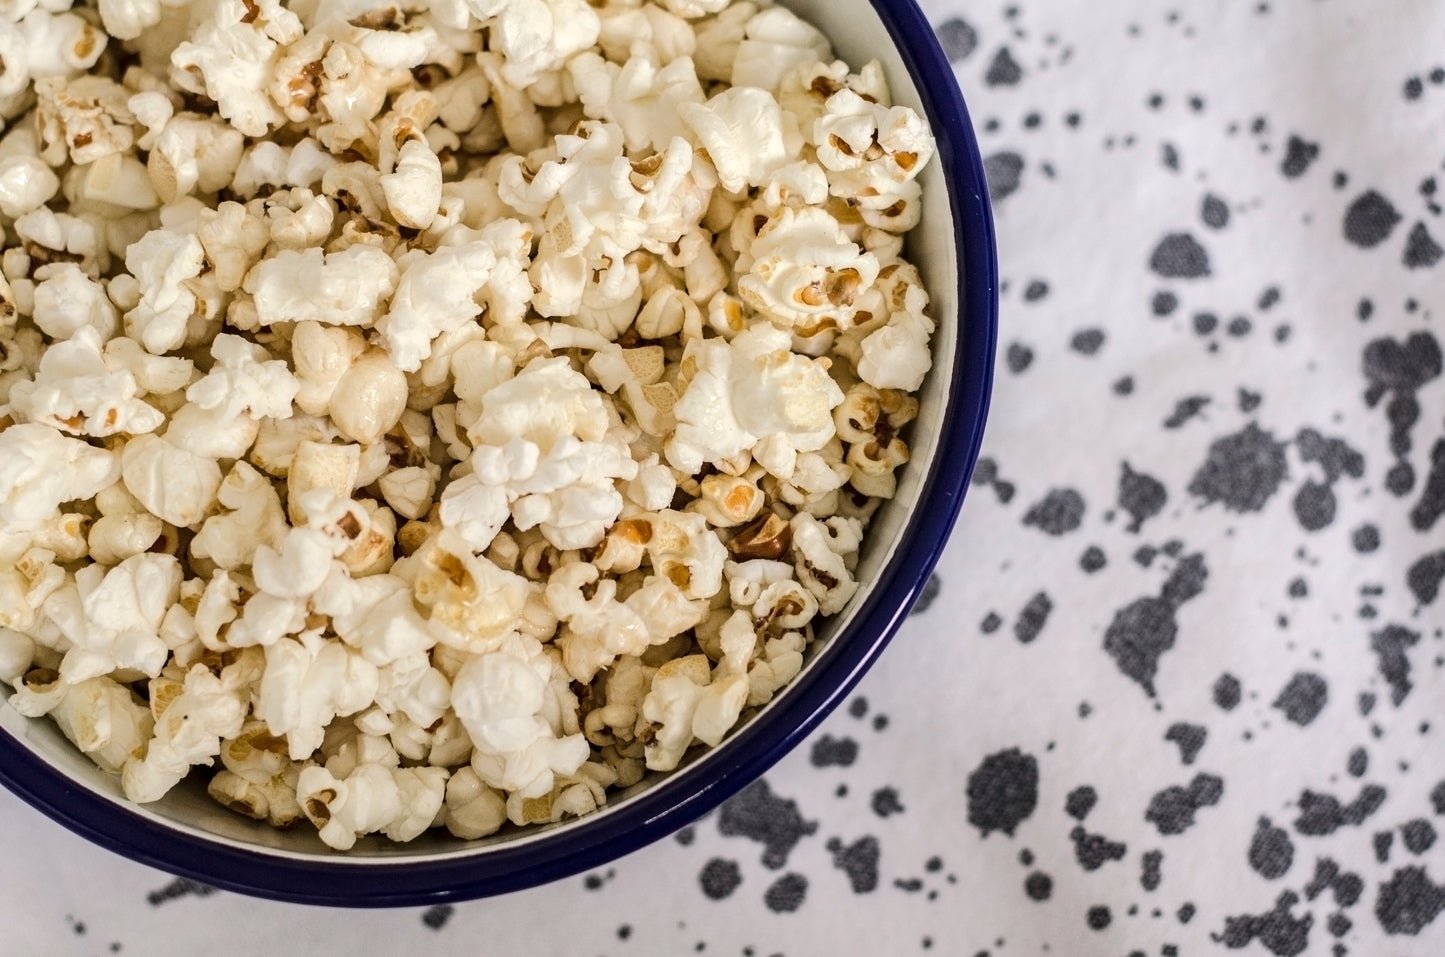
<point>189,834</point>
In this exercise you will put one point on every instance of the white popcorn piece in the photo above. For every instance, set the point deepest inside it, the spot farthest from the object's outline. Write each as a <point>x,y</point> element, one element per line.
<point>321,355</point>
<point>259,779</point>
<point>161,262</point>
<point>345,288</point>
<point>75,391</point>
<point>749,391</point>
<point>746,134</point>
<point>233,238</point>
<point>189,728</point>
<point>101,717</point>
<point>533,36</point>
<point>688,702</point>
<point>363,790</point>
<point>414,189</point>
<point>112,617</point>
<point>503,698</point>
<point>171,482</point>
<point>245,380</point>
<point>821,568</point>
<point>254,518</point>
<point>897,355</point>
<point>26,181</point>
<point>775,42</point>
<point>369,398</point>
<point>308,681</point>
<point>232,55</point>
<point>473,809</point>
<point>804,273</point>
<point>320,465</point>
<point>82,119</point>
<point>65,237</point>
<point>475,603</point>
<point>453,286</point>
<point>40,469</point>
<point>66,300</point>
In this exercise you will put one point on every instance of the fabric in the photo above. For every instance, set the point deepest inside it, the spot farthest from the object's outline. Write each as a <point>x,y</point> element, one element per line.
<point>1181,688</point>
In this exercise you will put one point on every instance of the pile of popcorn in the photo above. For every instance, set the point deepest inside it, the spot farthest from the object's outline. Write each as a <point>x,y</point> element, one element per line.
<point>437,414</point>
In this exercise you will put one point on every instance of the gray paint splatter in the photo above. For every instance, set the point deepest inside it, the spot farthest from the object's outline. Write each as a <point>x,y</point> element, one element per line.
<point>178,888</point>
<point>1242,471</point>
<point>436,917</point>
<point>1370,219</point>
<point>1321,814</point>
<point>1409,902</point>
<point>1172,810</point>
<point>958,39</point>
<point>1424,577</point>
<point>1179,256</point>
<point>1032,619</point>
<point>1419,835</point>
<point>719,878</point>
<point>1185,409</point>
<point>1298,155</point>
<point>858,860</point>
<point>786,894</point>
<point>1003,791</point>
<point>1391,646</point>
<point>759,815</point>
<point>1080,802</point>
<point>1314,506</point>
<point>1189,737</point>
<point>1227,692</point>
<point>1303,698</point>
<point>928,595</point>
<point>1058,513</point>
<point>1150,876</point>
<point>1432,499</point>
<point>1003,70</point>
<point>1004,171</point>
<point>1093,851</point>
<point>1143,631</point>
<point>1277,930</point>
<point>1142,496</point>
<point>1271,852</point>
<point>1421,249</point>
<point>885,802</point>
<point>1214,212</point>
<point>829,751</point>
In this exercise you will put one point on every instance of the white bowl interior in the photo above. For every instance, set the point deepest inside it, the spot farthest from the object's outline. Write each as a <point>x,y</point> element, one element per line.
<point>858,35</point>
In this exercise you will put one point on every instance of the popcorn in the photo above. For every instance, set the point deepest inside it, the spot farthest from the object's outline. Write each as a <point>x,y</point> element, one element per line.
<point>101,717</point>
<point>343,288</point>
<point>112,617</point>
<point>746,134</point>
<point>173,483</point>
<point>161,262</point>
<point>76,392</point>
<point>502,698</point>
<point>190,721</point>
<point>40,468</point>
<point>453,413</point>
<point>307,682</point>
<point>746,392</point>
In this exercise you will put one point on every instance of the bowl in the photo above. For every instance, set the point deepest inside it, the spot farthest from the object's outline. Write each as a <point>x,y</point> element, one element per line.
<point>188,834</point>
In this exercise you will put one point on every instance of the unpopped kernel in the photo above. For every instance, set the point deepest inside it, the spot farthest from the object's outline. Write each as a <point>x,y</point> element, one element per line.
<point>437,414</point>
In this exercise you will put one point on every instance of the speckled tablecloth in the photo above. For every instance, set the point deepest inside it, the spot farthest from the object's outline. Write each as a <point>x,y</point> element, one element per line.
<point>1180,690</point>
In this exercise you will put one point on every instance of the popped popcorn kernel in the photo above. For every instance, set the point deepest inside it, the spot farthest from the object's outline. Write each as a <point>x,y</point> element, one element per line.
<point>438,416</point>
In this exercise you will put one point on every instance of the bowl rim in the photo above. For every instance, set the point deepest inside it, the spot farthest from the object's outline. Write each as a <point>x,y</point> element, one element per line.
<point>746,754</point>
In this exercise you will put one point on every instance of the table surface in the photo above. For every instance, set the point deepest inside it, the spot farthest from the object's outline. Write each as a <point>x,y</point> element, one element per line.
<point>1182,686</point>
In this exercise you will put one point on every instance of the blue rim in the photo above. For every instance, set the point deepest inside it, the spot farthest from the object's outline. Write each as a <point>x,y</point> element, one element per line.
<point>752,750</point>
